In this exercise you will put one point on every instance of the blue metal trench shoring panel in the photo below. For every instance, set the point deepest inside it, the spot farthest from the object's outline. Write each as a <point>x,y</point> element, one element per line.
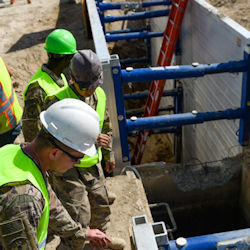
<point>177,72</point>
<point>132,5</point>
<point>210,241</point>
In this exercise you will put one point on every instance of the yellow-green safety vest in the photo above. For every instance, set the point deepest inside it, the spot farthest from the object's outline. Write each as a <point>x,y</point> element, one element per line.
<point>45,82</point>
<point>67,92</point>
<point>10,109</point>
<point>16,168</point>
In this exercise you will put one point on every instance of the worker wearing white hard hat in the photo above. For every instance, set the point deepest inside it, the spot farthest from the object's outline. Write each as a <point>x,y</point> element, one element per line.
<point>60,144</point>
<point>82,190</point>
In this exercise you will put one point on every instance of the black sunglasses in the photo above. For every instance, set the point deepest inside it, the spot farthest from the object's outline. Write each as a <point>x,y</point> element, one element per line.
<point>72,157</point>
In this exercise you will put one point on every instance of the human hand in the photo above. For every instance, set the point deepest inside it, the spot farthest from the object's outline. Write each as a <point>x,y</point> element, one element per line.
<point>97,238</point>
<point>103,140</point>
<point>109,166</point>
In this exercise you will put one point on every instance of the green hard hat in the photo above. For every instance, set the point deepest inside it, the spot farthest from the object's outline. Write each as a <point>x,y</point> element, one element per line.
<point>60,41</point>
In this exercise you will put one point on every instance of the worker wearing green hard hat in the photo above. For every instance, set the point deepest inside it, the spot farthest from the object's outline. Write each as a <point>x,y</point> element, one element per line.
<point>60,41</point>
<point>60,45</point>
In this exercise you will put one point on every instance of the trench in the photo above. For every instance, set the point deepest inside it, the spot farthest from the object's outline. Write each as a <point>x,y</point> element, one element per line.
<point>193,215</point>
<point>203,218</point>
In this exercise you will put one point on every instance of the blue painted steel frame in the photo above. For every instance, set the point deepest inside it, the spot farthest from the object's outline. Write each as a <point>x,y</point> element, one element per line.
<point>177,72</point>
<point>121,113</point>
<point>245,102</point>
<point>209,242</point>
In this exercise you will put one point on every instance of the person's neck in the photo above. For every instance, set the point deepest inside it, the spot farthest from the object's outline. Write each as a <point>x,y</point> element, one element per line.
<point>32,150</point>
<point>57,70</point>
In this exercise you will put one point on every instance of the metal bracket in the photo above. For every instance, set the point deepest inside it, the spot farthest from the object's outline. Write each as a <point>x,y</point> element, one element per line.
<point>147,235</point>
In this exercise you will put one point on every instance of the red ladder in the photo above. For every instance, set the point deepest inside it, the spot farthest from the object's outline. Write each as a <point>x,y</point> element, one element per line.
<point>168,46</point>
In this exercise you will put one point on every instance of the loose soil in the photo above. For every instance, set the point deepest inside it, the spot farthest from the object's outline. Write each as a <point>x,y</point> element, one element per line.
<point>238,10</point>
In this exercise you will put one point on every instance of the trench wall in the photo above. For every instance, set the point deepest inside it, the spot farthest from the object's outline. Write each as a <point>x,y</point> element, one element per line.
<point>207,36</point>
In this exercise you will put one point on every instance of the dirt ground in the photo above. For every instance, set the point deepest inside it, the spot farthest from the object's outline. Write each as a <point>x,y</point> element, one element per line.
<point>23,29</point>
<point>238,10</point>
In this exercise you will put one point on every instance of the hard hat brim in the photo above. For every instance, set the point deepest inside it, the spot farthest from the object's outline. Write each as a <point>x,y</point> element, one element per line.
<point>87,149</point>
<point>91,151</point>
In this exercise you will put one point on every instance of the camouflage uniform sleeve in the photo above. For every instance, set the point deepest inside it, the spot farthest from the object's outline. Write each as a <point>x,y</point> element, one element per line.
<point>33,106</point>
<point>108,154</point>
<point>63,225</point>
<point>20,212</point>
<point>49,100</point>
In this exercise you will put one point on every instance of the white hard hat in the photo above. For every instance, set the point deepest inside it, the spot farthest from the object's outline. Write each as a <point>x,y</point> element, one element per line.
<point>73,123</point>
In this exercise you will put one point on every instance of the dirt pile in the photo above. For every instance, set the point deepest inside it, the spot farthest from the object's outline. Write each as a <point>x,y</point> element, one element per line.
<point>238,10</point>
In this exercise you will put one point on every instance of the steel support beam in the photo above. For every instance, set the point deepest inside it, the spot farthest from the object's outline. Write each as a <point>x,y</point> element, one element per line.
<point>132,35</point>
<point>144,95</point>
<point>195,117</point>
<point>212,241</point>
<point>131,5</point>
<point>136,16</point>
<point>244,130</point>
<point>185,71</point>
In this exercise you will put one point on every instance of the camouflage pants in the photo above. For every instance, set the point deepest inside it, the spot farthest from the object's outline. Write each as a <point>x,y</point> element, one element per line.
<point>83,193</point>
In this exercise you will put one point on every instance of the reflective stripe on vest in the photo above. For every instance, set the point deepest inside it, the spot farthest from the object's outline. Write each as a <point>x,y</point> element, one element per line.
<point>17,168</point>
<point>45,82</point>
<point>67,92</point>
<point>10,110</point>
<point>6,109</point>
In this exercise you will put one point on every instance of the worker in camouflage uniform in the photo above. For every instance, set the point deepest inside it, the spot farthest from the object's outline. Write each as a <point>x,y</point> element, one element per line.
<point>82,190</point>
<point>60,45</point>
<point>25,207</point>
<point>10,109</point>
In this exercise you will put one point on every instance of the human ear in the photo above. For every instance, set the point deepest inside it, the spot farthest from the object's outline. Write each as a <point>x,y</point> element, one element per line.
<point>53,154</point>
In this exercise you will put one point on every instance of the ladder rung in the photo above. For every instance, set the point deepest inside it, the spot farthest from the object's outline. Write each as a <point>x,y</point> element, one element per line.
<point>157,95</point>
<point>166,37</point>
<point>148,110</point>
<point>176,4</point>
